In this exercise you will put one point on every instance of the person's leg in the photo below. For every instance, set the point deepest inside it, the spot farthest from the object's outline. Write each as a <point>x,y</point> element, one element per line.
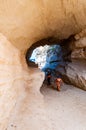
<point>48,81</point>
<point>58,86</point>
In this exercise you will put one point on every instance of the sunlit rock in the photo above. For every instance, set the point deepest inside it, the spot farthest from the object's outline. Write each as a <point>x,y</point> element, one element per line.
<point>22,23</point>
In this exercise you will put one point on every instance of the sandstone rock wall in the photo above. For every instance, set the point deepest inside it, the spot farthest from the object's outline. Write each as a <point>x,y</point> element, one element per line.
<point>24,22</point>
<point>21,103</point>
<point>75,70</point>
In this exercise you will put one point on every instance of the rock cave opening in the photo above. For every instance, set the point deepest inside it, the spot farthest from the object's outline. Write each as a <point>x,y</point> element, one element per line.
<point>24,26</point>
<point>65,57</point>
<point>50,55</point>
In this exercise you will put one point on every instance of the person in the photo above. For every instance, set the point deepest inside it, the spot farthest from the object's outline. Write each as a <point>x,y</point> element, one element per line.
<point>58,83</point>
<point>48,78</point>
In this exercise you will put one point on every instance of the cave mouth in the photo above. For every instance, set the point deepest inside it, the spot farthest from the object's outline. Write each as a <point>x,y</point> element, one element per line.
<point>65,51</point>
<point>47,57</point>
<point>56,56</point>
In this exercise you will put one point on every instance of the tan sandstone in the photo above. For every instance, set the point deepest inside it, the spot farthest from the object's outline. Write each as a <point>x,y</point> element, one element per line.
<point>22,23</point>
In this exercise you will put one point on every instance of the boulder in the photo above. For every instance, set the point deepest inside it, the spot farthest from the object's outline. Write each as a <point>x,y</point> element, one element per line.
<point>75,73</point>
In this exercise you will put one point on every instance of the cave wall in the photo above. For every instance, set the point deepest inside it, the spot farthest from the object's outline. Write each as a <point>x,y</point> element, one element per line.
<point>23,23</point>
<point>20,98</point>
<point>74,55</point>
<point>76,70</point>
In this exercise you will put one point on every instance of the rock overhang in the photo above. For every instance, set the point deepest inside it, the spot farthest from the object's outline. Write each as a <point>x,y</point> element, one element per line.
<point>25,22</point>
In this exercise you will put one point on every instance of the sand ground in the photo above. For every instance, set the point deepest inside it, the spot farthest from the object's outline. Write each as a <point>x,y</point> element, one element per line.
<point>66,109</point>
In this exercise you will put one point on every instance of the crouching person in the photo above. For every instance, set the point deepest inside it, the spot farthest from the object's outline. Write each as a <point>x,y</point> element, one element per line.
<point>59,82</point>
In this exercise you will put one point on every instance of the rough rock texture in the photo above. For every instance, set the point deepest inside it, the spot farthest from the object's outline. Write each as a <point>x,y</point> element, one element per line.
<point>79,54</point>
<point>76,73</point>
<point>24,22</point>
<point>78,48</point>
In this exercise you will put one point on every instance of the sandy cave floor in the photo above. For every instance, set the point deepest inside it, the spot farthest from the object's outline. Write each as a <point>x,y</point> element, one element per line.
<point>66,109</point>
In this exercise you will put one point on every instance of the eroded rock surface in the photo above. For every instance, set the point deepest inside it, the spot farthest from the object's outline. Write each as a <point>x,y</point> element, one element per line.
<point>31,21</point>
<point>22,23</point>
<point>21,103</point>
<point>76,73</point>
